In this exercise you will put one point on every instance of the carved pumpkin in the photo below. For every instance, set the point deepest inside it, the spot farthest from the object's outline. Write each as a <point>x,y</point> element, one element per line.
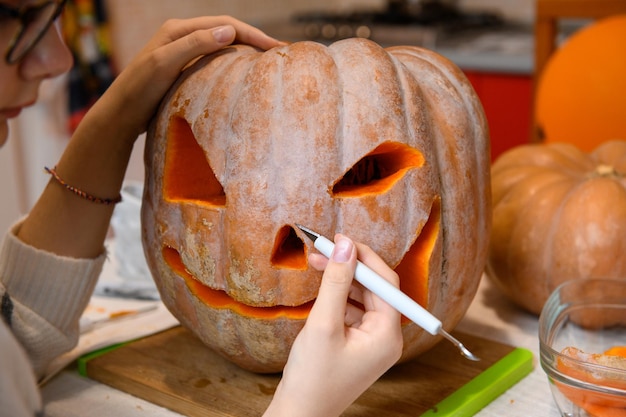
<point>387,146</point>
<point>558,214</point>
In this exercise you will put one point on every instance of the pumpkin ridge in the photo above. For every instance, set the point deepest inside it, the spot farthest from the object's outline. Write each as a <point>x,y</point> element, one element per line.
<point>358,105</point>
<point>548,189</point>
<point>551,233</point>
<point>451,84</point>
<point>453,75</point>
<point>577,160</point>
<point>520,230</point>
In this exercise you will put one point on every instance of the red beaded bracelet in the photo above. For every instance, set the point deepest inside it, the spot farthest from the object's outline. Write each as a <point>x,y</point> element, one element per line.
<point>81,193</point>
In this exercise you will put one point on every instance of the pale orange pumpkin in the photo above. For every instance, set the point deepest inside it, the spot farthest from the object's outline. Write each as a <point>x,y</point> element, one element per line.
<point>387,146</point>
<point>558,214</point>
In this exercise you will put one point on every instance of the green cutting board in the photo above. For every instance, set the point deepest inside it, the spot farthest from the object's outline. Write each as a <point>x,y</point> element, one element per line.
<point>175,370</point>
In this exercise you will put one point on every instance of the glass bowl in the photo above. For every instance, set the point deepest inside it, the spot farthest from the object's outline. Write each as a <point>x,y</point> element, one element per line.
<point>582,342</point>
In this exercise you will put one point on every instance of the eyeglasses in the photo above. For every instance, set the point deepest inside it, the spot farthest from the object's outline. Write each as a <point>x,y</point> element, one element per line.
<point>34,21</point>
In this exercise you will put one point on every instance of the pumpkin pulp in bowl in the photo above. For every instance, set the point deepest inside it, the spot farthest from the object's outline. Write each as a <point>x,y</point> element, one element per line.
<point>582,334</point>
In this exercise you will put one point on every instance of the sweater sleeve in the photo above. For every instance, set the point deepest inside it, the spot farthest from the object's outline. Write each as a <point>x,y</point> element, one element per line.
<point>43,297</point>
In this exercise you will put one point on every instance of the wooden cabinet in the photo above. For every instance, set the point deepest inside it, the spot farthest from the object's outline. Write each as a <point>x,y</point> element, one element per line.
<point>507,101</point>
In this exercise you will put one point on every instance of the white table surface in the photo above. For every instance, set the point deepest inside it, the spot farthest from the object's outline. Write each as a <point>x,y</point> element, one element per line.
<point>490,316</point>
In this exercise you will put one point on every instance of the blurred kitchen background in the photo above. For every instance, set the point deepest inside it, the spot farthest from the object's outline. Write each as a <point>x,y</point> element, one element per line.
<point>491,40</point>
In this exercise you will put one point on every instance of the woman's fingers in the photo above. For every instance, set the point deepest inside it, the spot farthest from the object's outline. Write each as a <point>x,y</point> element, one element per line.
<point>330,306</point>
<point>338,286</point>
<point>178,43</point>
<point>318,261</point>
<point>375,263</point>
<point>353,316</point>
<point>357,293</point>
<point>175,29</point>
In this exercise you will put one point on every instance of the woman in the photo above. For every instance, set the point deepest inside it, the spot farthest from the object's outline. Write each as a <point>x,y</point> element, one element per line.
<point>51,259</point>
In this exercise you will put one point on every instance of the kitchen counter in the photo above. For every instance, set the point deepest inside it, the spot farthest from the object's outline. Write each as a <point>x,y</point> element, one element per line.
<point>490,316</point>
<point>502,51</point>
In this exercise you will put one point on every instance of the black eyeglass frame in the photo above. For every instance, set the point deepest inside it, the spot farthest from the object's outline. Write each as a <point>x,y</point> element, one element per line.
<point>26,15</point>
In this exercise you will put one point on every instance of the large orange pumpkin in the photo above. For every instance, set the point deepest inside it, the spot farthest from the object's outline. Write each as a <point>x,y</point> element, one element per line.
<point>387,146</point>
<point>581,95</point>
<point>558,214</point>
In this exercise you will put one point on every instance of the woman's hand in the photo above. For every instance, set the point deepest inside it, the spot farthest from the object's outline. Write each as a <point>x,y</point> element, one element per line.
<point>96,157</point>
<point>140,87</point>
<point>342,349</point>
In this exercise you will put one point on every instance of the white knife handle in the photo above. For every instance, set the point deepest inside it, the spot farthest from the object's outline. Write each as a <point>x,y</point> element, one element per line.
<point>386,291</point>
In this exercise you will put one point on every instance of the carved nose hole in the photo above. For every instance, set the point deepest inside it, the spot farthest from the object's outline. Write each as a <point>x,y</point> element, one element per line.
<point>187,174</point>
<point>288,251</point>
<point>377,171</point>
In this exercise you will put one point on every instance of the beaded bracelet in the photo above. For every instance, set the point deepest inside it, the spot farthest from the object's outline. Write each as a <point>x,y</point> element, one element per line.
<point>81,193</point>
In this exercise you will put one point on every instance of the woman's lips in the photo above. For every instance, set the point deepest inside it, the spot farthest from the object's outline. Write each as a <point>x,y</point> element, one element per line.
<point>11,113</point>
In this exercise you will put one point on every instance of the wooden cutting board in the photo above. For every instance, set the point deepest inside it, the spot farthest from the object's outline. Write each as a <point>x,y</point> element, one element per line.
<point>175,370</point>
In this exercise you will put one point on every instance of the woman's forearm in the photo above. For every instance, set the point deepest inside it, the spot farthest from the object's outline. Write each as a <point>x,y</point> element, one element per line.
<point>95,162</point>
<point>96,158</point>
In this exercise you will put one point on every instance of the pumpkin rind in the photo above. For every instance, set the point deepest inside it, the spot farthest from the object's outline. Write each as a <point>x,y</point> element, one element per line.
<point>558,214</point>
<point>281,130</point>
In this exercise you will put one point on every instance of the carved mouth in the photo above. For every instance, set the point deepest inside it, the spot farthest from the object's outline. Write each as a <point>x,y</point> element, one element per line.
<point>413,271</point>
<point>221,300</point>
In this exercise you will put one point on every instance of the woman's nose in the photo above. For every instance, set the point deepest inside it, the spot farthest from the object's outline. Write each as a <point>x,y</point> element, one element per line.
<point>50,56</point>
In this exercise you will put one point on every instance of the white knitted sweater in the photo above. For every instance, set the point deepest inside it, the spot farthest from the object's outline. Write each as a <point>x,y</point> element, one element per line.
<point>42,297</point>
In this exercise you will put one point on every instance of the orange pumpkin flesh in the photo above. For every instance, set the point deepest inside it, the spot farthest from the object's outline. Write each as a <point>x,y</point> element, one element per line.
<point>288,250</point>
<point>387,146</point>
<point>185,155</point>
<point>595,403</point>
<point>378,171</point>
<point>616,351</point>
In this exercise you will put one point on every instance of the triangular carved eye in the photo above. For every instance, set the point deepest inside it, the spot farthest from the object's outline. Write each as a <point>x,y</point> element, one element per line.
<point>377,171</point>
<point>187,174</point>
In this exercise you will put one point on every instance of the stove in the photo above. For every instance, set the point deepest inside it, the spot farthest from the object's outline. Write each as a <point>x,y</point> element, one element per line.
<point>402,22</point>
